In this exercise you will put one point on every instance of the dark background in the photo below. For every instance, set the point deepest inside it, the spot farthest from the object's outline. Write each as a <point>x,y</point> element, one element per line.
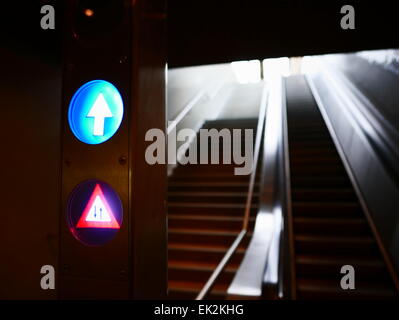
<point>210,31</point>
<point>214,31</point>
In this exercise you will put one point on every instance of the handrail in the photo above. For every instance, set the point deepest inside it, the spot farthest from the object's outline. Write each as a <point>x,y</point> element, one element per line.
<point>229,253</point>
<point>258,142</point>
<point>191,104</point>
<point>261,260</point>
<point>172,125</point>
<point>226,258</point>
<point>276,282</point>
<point>287,279</point>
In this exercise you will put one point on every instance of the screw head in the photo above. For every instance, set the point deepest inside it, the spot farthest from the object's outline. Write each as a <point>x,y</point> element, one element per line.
<point>122,273</point>
<point>123,59</point>
<point>122,160</point>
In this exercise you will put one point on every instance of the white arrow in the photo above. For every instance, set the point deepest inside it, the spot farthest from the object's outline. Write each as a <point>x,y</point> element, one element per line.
<point>99,111</point>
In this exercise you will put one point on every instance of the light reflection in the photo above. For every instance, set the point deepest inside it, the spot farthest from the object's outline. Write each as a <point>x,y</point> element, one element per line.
<point>247,71</point>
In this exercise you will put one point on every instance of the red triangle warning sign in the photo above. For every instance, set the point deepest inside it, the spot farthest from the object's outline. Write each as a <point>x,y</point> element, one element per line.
<point>97,213</point>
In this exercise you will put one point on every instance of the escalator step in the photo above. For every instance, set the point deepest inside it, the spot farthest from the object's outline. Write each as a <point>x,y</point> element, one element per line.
<point>331,226</point>
<point>310,288</point>
<point>320,195</point>
<point>326,209</point>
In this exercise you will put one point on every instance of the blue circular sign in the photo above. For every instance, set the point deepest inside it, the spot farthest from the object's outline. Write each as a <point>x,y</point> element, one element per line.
<point>94,213</point>
<point>95,112</point>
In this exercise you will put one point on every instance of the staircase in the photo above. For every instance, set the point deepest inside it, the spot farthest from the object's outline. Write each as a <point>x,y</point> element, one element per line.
<point>329,225</point>
<point>206,204</point>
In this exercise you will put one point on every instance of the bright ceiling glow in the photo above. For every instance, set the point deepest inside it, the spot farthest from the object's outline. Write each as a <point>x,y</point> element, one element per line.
<point>276,67</point>
<point>247,71</point>
<point>310,65</point>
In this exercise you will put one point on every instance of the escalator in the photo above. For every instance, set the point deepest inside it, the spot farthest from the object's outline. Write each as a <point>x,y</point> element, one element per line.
<point>330,229</point>
<point>206,204</point>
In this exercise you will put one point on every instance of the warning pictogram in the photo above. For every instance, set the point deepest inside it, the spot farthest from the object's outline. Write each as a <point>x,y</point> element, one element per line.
<point>97,213</point>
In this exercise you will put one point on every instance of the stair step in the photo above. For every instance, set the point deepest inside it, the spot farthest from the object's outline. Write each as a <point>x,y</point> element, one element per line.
<point>202,247</point>
<point>202,238</point>
<point>211,177</point>
<point>220,169</point>
<point>208,194</point>
<point>331,226</point>
<point>309,288</point>
<point>326,151</point>
<point>216,239</point>
<point>312,169</point>
<point>215,174</point>
<point>326,209</point>
<point>210,186</point>
<point>210,252</point>
<point>315,160</point>
<point>209,232</point>
<point>313,182</point>
<point>215,197</point>
<point>208,208</point>
<point>315,244</point>
<point>203,255</point>
<point>319,195</point>
<point>314,133</point>
<point>199,271</point>
<point>188,290</point>
<point>199,265</point>
<point>207,222</point>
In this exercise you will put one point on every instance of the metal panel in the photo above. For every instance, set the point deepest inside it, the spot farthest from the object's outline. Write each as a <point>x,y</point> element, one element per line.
<point>131,56</point>
<point>81,161</point>
<point>375,187</point>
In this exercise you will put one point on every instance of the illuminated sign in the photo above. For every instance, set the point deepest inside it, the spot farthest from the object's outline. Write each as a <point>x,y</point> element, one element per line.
<point>94,213</point>
<point>98,213</point>
<point>95,112</point>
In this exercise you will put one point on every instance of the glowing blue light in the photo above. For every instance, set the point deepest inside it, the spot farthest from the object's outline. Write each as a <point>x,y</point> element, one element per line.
<point>95,112</point>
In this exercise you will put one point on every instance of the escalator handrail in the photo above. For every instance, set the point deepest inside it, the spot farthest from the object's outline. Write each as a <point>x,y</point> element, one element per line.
<point>263,258</point>
<point>383,137</point>
<point>230,252</point>
<point>286,268</point>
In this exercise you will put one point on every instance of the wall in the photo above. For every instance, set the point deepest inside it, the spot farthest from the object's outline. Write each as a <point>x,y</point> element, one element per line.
<point>30,90</point>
